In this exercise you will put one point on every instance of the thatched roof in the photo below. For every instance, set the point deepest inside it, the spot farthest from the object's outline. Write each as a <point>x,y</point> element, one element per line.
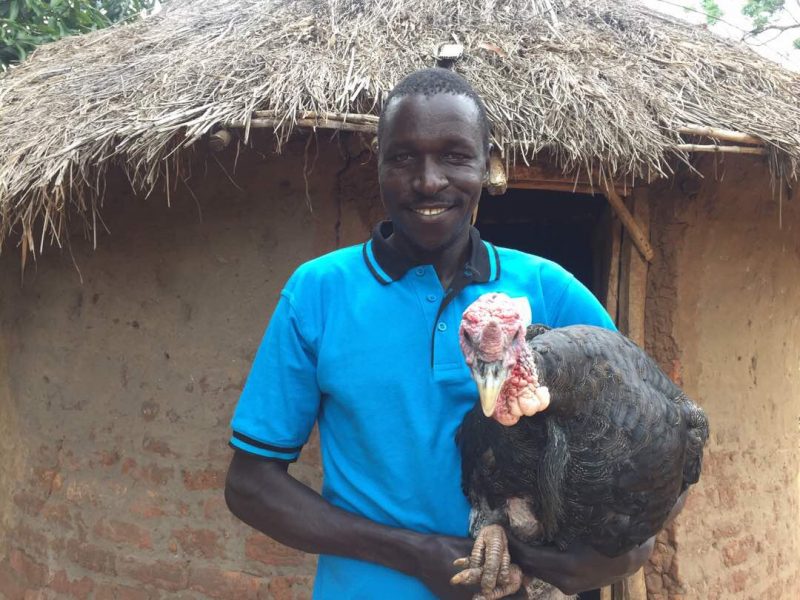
<point>598,84</point>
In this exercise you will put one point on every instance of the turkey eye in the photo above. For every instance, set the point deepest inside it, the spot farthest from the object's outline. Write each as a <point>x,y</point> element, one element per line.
<point>467,336</point>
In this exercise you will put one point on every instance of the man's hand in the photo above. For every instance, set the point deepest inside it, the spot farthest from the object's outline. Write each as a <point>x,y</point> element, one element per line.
<point>580,567</point>
<point>263,495</point>
<point>436,566</point>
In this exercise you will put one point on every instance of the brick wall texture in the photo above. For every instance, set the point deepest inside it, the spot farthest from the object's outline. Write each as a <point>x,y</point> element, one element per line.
<point>723,318</point>
<point>116,392</point>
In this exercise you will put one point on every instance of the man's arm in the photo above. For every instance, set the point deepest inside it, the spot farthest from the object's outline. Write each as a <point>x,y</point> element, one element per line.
<point>263,494</point>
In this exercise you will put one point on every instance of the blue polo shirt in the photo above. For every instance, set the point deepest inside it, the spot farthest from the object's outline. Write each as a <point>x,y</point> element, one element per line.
<point>365,343</point>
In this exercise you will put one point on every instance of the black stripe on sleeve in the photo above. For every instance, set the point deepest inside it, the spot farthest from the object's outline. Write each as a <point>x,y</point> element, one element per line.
<point>262,457</point>
<point>263,446</point>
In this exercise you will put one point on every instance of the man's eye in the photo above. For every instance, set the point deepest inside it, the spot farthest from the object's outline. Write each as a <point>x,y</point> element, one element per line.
<point>401,157</point>
<point>456,156</point>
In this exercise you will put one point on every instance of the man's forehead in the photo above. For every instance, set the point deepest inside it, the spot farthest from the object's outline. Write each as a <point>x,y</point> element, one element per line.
<point>415,115</point>
<point>441,102</point>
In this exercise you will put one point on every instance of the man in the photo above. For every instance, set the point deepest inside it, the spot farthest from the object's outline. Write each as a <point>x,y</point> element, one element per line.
<point>364,341</point>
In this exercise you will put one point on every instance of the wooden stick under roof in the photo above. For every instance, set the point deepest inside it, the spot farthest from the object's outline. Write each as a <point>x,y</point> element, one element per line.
<point>310,123</point>
<point>720,134</point>
<point>354,118</point>
<point>629,222</point>
<point>759,150</point>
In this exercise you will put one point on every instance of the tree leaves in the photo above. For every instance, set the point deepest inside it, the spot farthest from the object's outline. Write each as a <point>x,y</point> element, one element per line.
<point>764,15</point>
<point>762,12</point>
<point>712,10</point>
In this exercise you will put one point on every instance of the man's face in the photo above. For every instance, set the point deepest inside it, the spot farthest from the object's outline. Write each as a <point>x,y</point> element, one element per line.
<point>431,165</point>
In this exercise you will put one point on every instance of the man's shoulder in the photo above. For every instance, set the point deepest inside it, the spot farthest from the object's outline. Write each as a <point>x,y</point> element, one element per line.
<point>338,266</point>
<point>522,264</point>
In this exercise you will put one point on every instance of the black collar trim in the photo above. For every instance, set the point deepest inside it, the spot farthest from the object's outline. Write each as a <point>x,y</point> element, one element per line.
<point>387,264</point>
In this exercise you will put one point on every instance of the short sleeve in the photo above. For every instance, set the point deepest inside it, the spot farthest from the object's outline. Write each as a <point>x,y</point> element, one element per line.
<point>280,401</point>
<point>578,306</point>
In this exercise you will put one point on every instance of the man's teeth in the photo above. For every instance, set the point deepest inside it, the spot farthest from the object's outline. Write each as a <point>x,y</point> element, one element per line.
<point>429,212</point>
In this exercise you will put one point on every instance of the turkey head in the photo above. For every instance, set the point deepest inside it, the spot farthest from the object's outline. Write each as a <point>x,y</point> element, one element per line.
<point>492,337</point>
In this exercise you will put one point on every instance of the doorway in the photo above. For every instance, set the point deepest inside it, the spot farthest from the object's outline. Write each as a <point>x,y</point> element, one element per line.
<point>569,229</point>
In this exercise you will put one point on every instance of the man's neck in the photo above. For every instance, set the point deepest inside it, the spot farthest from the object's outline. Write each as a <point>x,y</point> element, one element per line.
<point>447,261</point>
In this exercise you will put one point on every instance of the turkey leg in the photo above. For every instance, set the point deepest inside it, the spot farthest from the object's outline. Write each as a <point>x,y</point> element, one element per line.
<point>490,565</point>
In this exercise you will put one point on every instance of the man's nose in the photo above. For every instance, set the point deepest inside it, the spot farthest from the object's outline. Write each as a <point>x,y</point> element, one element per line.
<point>430,178</point>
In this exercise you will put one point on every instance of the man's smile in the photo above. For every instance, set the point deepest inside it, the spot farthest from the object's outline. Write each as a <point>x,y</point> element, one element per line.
<point>430,211</point>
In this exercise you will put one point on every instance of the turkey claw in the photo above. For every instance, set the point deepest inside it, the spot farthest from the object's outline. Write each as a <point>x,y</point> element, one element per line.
<point>490,565</point>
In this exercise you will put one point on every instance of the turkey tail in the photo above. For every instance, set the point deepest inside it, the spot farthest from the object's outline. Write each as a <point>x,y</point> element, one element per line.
<point>697,424</point>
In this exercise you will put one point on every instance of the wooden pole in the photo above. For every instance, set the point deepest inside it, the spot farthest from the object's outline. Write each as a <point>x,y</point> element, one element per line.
<point>721,149</point>
<point>612,293</point>
<point>321,116</point>
<point>308,123</point>
<point>720,134</point>
<point>633,273</point>
<point>633,229</point>
<point>632,298</point>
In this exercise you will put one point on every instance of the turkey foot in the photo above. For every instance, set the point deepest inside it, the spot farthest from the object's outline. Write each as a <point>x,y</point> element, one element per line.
<point>490,565</point>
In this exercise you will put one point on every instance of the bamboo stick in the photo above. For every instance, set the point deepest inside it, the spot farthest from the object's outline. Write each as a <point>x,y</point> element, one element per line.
<point>498,180</point>
<point>612,288</point>
<point>721,149</point>
<point>309,123</point>
<point>720,134</point>
<point>630,224</point>
<point>323,116</point>
<point>631,322</point>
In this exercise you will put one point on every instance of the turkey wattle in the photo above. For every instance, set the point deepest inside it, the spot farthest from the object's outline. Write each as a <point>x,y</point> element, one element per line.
<point>578,436</point>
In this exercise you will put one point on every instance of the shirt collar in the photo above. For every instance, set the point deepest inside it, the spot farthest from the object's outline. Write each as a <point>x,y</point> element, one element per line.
<point>388,264</point>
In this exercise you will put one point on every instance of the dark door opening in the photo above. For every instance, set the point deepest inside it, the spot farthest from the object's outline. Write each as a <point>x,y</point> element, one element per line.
<point>570,229</point>
<point>563,227</point>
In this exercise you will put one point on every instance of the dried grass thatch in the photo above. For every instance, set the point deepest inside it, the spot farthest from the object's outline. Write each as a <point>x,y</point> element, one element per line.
<point>600,85</point>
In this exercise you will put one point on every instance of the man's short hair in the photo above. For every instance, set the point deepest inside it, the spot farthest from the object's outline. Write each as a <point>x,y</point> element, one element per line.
<point>429,82</point>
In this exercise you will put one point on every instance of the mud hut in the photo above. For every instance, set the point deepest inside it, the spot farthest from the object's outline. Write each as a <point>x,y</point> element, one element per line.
<point>159,182</point>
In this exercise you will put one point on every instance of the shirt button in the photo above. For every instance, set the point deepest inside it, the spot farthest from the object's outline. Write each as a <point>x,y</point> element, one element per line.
<point>442,326</point>
<point>431,298</point>
<point>420,271</point>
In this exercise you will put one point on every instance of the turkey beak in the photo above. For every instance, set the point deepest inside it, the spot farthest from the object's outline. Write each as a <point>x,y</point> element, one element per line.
<point>490,378</point>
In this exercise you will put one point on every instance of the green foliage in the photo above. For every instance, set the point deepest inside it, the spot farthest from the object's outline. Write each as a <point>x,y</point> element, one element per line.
<point>25,24</point>
<point>761,12</point>
<point>712,10</point>
<point>763,15</point>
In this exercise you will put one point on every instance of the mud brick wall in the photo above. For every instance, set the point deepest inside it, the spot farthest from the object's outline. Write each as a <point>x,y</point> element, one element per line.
<point>723,318</point>
<point>116,393</point>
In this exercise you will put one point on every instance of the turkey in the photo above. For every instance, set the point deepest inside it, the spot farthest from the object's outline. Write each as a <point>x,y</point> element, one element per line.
<point>578,436</point>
